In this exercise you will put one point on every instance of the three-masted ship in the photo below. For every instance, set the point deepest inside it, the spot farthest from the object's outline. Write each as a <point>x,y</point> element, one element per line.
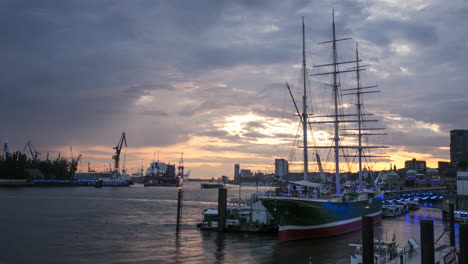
<point>311,213</point>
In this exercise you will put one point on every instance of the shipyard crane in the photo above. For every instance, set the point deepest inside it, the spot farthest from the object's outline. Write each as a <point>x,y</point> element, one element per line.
<point>181,165</point>
<point>74,165</point>
<point>323,178</point>
<point>118,148</point>
<point>74,161</point>
<point>5,149</point>
<point>32,150</point>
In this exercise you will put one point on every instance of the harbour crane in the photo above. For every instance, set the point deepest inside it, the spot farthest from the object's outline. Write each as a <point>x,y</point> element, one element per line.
<point>181,165</point>
<point>32,150</point>
<point>322,173</point>
<point>118,148</point>
<point>5,149</point>
<point>74,163</point>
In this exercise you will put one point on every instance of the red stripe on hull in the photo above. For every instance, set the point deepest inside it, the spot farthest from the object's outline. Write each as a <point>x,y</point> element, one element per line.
<point>295,234</point>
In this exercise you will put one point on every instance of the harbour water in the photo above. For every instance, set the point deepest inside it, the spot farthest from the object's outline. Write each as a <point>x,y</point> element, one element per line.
<point>137,225</point>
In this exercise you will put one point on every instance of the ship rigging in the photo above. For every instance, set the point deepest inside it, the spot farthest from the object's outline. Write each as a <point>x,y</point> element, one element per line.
<point>304,213</point>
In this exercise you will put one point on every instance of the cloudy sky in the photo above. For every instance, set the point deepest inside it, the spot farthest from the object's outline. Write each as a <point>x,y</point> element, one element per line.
<point>207,78</point>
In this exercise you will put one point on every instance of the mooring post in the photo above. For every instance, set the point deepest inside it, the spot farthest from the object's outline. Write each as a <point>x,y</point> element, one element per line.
<point>427,241</point>
<point>463,236</point>
<point>452,224</point>
<point>222,209</point>
<point>367,240</point>
<point>179,209</point>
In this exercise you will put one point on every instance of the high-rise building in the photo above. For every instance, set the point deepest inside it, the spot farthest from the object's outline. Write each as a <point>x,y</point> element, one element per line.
<point>442,166</point>
<point>281,167</point>
<point>236,173</point>
<point>417,165</point>
<point>458,145</point>
<point>246,173</point>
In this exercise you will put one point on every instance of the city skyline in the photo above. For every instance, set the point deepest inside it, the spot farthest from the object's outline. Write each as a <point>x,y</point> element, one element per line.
<point>208,78</point>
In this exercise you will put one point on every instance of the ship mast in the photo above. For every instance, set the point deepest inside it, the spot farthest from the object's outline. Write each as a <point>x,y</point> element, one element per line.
<point>336,93</point>
<point>359,115</point>
<point>304,105</point>
<point>336,137</point>
<point>361,131</point>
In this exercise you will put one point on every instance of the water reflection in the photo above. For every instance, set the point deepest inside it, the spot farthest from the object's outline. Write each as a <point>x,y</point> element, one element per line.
<point>324,250</point>
<point>220,241</point>
<point>178,246</point>
<point>140,228</point>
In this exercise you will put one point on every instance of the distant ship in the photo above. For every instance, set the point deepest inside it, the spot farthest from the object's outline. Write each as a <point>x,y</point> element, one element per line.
<point>211,185</point>
<point>160,174</point>
<point>306,209</point>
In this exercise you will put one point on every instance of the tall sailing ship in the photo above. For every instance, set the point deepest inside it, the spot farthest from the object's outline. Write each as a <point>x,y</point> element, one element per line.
<point>308,211</point>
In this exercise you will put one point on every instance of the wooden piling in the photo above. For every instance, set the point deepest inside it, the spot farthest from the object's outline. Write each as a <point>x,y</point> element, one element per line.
<point>427,241</point>
<point>222,209</point>
<point>179,209</point>
<point>463,236</point>
<point>452,224</point>
<point>367,240</point>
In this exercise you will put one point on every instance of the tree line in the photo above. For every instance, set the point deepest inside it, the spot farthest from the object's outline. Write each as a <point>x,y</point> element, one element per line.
<point>18,166</point>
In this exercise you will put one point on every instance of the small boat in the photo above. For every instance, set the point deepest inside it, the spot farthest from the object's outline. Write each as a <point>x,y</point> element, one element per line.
<point>404,206</point>
<point>391,253</point>
<point>461,216</point>
<point>212,185</point>
<point>414,205</point>
<point>386,252</point>
<point>391,210</point>
<point>99,184</point>
<point>249,217</point>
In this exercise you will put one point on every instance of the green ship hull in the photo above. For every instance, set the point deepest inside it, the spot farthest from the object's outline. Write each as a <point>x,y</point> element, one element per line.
<point>300,218</point>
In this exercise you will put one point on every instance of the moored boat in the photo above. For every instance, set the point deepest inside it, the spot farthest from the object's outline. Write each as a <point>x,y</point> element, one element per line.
<point>414,205</point>
<point>391,210</point>
<point>160,174</point>
<point>300,218</point>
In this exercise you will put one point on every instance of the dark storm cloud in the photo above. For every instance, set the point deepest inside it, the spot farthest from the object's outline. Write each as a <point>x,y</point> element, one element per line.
<point>253,134</point>
<point>221,134</point>
<point>384,32</point>
<point>67,65</point>
<point>81,71</point>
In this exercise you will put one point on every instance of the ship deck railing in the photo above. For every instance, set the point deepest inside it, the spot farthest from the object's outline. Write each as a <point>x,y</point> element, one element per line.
<point>326,197</point>
<point>295,195</point>
<point>240,201</point>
